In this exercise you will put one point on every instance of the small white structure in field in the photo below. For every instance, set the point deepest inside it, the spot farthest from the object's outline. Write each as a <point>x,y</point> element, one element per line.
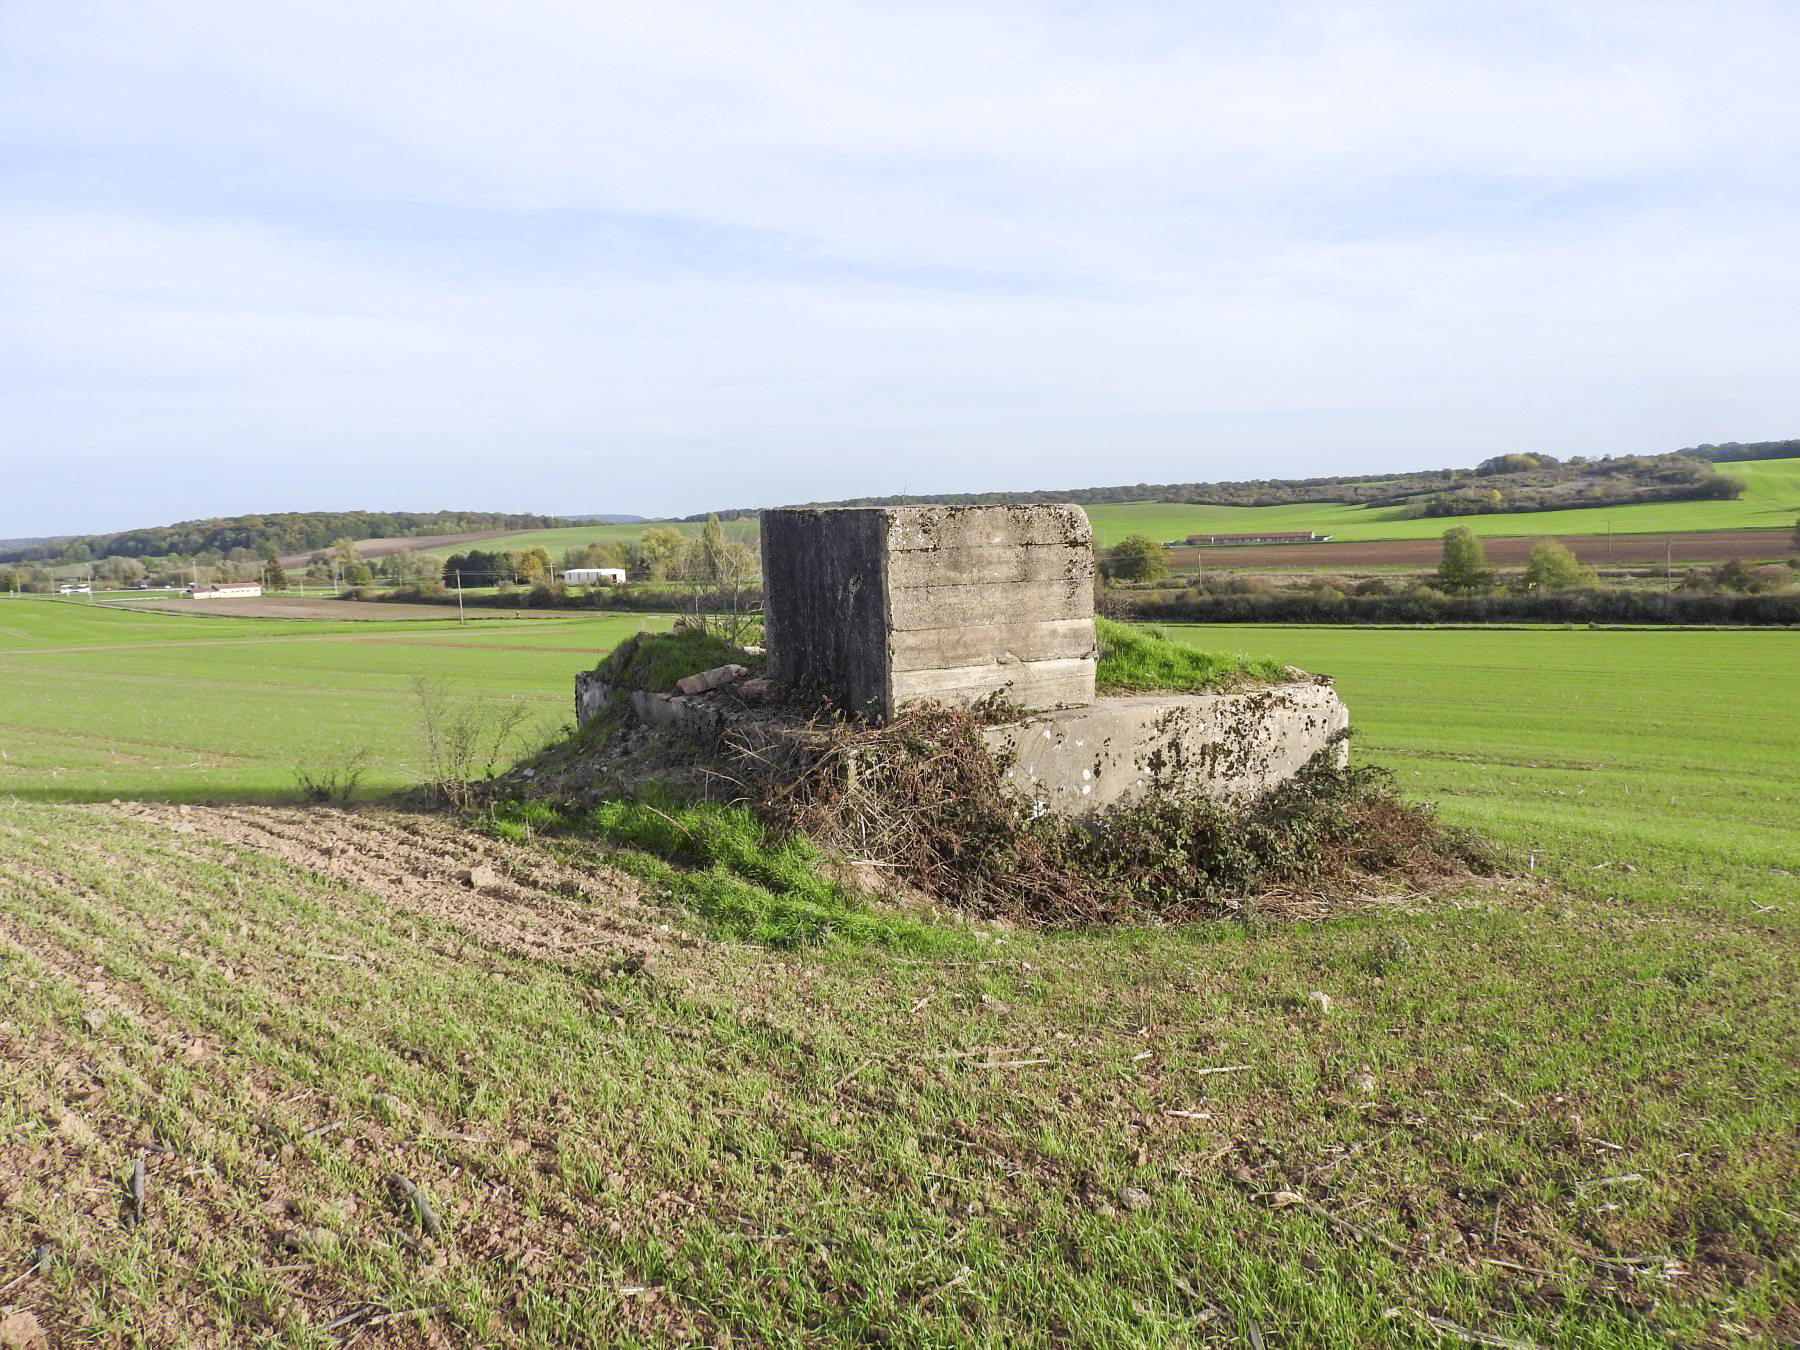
<point>595,576</point>
<point>223,590</point>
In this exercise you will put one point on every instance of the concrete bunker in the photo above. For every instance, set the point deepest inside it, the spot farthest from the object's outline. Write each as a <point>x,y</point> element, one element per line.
<point>878,608</point>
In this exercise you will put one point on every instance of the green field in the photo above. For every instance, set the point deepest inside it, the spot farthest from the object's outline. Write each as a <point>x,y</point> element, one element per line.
<point>1771,500</point>
<point>1563,1110</point>
<point>108,702</point>
<point>1676,751</point>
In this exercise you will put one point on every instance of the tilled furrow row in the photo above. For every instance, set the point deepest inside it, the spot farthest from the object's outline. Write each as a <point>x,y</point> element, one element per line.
<point>406,878</point>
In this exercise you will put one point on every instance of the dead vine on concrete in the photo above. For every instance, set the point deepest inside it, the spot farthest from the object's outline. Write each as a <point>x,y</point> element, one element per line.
<point>922,796</point>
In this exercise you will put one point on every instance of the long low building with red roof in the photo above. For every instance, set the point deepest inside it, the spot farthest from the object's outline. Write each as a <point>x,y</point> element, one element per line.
<point>1266,537</point>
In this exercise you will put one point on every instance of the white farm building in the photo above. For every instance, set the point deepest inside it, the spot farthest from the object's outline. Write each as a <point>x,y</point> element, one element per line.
<point>595,576</point>
<point>223,590</point>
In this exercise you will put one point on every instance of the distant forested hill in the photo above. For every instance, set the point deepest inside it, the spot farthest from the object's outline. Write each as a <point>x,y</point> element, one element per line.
<point>1734,451</point>
<point>287,533</point>
<point>1518,482</point>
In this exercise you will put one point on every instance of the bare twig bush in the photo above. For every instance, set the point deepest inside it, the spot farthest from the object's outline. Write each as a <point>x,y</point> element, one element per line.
<point>465,740</point>
<point>922,796</point>
<point>726,597</point>
<point>333,781</point>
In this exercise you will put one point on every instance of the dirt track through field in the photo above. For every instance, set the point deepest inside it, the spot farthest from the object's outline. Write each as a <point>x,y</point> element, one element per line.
<point>1595,550</point>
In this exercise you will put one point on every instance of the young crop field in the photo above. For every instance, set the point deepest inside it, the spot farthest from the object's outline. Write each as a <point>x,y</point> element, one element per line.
<point>101,701</point>
<point>396,1081</point>
<point>1771,500</point>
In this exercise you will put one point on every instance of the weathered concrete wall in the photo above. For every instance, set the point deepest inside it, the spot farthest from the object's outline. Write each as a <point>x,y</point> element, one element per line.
<point>825,615</point>
<point>698,718</point>
<point>1075,761</point>
<point>878,607</point>
<point>1225,746</point>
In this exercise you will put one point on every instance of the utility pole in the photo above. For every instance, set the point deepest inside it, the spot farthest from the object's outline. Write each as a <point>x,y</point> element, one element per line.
<point>459,608</point>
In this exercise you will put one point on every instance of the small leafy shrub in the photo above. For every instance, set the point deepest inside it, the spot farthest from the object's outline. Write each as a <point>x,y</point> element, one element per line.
<point>1386,956</point>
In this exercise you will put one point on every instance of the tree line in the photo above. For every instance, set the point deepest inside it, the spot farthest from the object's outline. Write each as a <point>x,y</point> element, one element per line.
<point>1511,482</point>
<point>284,533</point>
<point>660,553</point>
<point>1732,451</point>
<point>1553,586</point>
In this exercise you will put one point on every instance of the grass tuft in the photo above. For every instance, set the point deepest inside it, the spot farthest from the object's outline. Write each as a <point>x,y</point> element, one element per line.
<point>744,880</point>
<point>1136,660</point>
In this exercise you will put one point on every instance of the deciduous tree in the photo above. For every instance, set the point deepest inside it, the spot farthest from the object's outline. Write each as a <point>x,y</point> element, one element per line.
<point>1137,557</point>
<point>660,550</point>
<point>1552,567</point>
<point>1464,565</point>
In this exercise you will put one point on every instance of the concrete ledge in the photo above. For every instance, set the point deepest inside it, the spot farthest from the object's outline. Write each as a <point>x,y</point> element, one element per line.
<point>991,643</point>
<point>1029,684</point>
<point>696,716</point>
<point>1230,747</point>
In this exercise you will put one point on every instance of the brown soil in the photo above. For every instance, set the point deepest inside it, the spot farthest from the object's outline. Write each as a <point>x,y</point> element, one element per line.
<point>380,548</point>
<point>420,864</point>
<point>1596,550</point>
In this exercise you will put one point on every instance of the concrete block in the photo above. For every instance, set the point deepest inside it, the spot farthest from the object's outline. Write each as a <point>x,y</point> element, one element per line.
<point>1230,747</point>
<point>707,680</point>
<point>825,620</point>
<point>877,607</point>
<point>592,694</point>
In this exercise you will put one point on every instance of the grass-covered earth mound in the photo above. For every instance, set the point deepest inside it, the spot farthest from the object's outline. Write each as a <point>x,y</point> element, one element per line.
<point>653,662</point>
<point>774,833</point>
<point>1144,661</point>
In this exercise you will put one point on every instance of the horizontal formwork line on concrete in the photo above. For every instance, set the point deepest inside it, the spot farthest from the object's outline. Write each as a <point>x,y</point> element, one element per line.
<point>987,566</point>
<point>1007,643</point>
<point>1012,527</point>
<point>953,606</point>
<point>1031,684</point>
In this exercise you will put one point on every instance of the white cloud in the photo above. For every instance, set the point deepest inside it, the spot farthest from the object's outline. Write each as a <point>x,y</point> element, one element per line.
<point>753,253</point>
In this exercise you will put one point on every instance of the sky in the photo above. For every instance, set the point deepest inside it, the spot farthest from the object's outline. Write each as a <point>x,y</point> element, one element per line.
<point>661,258</point>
